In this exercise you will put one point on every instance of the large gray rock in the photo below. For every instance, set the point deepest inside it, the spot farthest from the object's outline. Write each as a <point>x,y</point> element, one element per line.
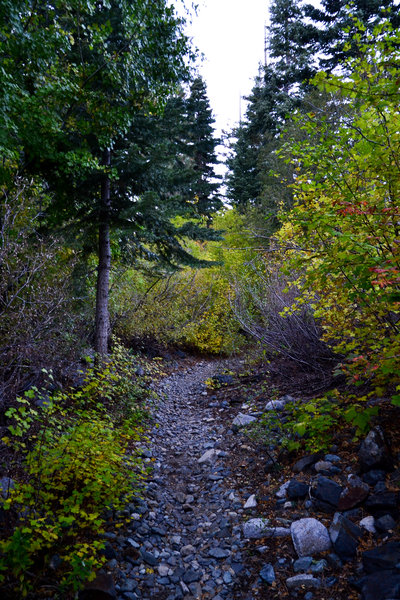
<point>309,537</point>
<point>209,456</point>
<point>327,494</point>
<point>276,405</point>
<point>255,528</point>
<point>241,420</point>
<point>373,452</point>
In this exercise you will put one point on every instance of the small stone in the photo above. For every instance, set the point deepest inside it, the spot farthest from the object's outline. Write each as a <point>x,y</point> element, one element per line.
<point>368,523</point>
<point>242,420</point>
<point>305,582</point>
<point>251,502</point>
<point>276,405</point>
<point>149,558</point>
<point>255,528</point>
<point>302,564</point>
<point>282,492</point>
<point>218,553</point>
<point>333,458</point>
<point>385,523</point>
<point>267,574</point>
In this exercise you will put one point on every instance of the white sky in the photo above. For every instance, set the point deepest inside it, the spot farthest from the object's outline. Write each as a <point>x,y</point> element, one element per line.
<point>230,34</point>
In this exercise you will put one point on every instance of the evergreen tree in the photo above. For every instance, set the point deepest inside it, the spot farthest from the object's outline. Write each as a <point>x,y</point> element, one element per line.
<point>203,145</point>
<point>333,35</point>
<point>84,74</point>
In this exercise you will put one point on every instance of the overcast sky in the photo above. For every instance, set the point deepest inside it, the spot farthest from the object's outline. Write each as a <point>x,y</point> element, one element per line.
<point>230,34</point>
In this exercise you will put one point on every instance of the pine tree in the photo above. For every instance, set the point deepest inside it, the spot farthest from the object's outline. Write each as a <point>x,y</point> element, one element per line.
<point>203,145</point>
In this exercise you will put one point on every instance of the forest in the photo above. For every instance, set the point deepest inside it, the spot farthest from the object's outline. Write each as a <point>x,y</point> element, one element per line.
<point>122,252</point>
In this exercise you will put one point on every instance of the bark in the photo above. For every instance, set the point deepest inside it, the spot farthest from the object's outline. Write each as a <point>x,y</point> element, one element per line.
<point>102,319</point>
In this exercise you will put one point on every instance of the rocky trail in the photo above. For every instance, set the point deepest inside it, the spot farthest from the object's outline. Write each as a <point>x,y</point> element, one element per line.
<point>324,532</point>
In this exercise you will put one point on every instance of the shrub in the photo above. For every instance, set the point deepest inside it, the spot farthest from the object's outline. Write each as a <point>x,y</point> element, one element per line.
<point>79,462</point>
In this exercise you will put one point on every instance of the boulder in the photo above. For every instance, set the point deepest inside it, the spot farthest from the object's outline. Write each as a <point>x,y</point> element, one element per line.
<point>382,503</point>
<point>382,557</point>
<point>344,535</point>
<point>309,537</point>
<point>354,494</point>
<point>374,453</point>
<point>372,477</point>
<point>379,586</point>
<point>101,588</point>
<point>327,494</point>
<point>297,489</point>
<point>305,463</point>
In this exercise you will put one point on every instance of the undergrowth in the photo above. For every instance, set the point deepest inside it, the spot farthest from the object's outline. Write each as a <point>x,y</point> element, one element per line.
<point>80,466</point>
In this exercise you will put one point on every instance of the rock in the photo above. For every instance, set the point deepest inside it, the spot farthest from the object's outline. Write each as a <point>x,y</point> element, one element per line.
<point>368,523</point>
<point>327,493</point>
<point>344,536</point>
<point>282,492</point>
<point>242,420</point>
<point>318,567</point>
<point>372,477</point>
<point>333,458</point>
<point>305,582</point>
<point>382,503</point>
<point>302,564</point>
<point>382,557</point>
<point>354,494</point>
<point>223,379</point>
<point>208,456</point>
<point>276,405</point>
<point>297,489</point>
<point>374,453</point>
<point>148,557</point>
<point>6,485</point>
<point>267,574</point>
<point>324,466</point>
<point>274,532</point>
<point>305,463</point>
<point>379,586</point>
<point>251,502</point>
<point>309,537</point>
<point>218,553</point>
<point>385,524</point>
<point>101,588</point>
<point>191,576</point>
<point>255,528</point>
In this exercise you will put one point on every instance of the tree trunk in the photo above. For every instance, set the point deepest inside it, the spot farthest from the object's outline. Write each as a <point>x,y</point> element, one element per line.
<point>102,325</point>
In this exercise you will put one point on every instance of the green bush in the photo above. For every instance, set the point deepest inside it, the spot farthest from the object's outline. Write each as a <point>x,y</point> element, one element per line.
<point>79,462</point>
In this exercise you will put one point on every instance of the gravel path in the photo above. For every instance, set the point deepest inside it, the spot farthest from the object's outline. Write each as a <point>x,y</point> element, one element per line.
<point>186,534</point>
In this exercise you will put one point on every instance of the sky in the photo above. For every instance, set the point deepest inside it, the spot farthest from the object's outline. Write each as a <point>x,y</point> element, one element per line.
<point>230,34</point>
